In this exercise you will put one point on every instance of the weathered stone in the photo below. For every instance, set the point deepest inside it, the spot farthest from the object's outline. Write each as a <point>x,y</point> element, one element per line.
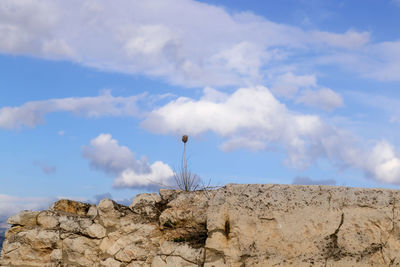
<point>71,206</point>
<point>111,212</point>
<point>110,262</point>
<point>81,250</point>
<point>24,218</point>
<point>92,212</point>
<point>188,254</point>
<point>168,195</point>
<point>96,231</point>
<point>31,247</point>
<point>47,220</point>
<point>237,225</point>
<point>147,205</point>
<point>56,255</point>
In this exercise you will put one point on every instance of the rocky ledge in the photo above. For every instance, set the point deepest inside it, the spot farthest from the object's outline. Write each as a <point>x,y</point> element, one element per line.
<point>237,225</point>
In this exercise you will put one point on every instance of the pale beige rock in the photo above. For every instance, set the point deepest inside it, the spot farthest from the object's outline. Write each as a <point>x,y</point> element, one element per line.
<point>110,262</point>
<point>183,251</point>
<point>139,264</point>
<point>96,231</point>
<point>24,218</point>
<point>107,243</point>
<point>132,252</point>
<point>299,224</point>
<point>81,250</point>
<point>56,255</point>
<point>237,225</point>
<point>47,220</point>
<point>92,212</point>
<point>109,212</point>
<point>69,224</point>
<point>146,205</point>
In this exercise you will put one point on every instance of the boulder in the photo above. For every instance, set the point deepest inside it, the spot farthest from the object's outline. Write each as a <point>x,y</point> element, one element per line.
<point>71,206</point>
<point>24,218</point>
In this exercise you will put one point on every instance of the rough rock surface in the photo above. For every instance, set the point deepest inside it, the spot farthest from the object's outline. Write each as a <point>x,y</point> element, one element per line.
<point>237,225</point>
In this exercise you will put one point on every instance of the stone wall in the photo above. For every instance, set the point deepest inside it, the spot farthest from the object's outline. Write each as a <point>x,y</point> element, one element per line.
<point>237,225</point>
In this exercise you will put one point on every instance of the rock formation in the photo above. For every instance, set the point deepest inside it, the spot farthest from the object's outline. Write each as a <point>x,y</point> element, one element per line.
<point>236,225</point>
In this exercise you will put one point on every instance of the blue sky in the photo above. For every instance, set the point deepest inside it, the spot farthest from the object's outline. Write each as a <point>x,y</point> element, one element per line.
<point>95,95</point>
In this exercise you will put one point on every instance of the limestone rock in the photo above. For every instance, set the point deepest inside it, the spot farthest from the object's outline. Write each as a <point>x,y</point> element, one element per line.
<point>147,205</point>
<point>96,231</point>
<point>71,206</point>
<point>236,225</point>
<point>110,262</point>
<point>169,194</point>
<point>111,212</point>
<point>24,218</point>
<point>47,219</point>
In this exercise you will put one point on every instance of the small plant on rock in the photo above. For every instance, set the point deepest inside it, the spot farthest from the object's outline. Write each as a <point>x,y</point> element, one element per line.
<point>184,178</point>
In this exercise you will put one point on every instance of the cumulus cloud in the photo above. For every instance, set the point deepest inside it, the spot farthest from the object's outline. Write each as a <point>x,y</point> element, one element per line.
<point>301,180</point>
<point>105,154</point>
<point>324,98</point>
<point>253,118</point>
<point>32,113</point>
<point>248,118</point>
<point>383,163</point>
<point>162,38</point>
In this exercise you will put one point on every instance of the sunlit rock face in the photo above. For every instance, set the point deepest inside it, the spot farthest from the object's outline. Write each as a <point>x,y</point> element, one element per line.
<point>236,225</point>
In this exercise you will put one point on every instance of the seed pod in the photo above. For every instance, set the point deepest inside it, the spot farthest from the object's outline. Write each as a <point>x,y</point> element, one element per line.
<point>185,138</point>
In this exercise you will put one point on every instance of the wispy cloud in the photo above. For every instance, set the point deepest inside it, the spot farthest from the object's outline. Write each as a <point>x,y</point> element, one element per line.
<point>32,113</point>
<point>105,154</point>
<point>397,2</point>
<point>46,168</point>
<point>389,105</point>
<point>324,98</point>
<point>287,84</point>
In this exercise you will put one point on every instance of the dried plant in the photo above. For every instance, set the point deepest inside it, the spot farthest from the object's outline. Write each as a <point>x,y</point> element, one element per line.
<point>184,179</point>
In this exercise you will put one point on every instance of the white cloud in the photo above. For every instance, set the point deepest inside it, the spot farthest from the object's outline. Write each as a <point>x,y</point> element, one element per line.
<point>32,113</point>
<point>184,41</point>
<point>287,84</point>
<point>105,154</point>
<point>376,61</point>
<point>10,205</point>
<point>159,175</point>
<point>253,118</point>
<point>383,163</point>
<point>249,118</point>
<point>324,98</point>
<point>350,39</point>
